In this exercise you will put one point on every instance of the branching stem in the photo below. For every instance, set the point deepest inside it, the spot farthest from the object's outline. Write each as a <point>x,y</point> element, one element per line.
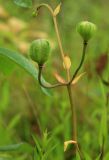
<point>68,84</point>
<point>47,85</point>
<point>57,33</point>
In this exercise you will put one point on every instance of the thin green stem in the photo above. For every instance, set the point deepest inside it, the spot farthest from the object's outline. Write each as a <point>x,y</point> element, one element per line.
<point>81,62</point>
<point>57,32</point>
<point>47,85</point>
<point>47,6</point>
<point>68,84</point>
<point>69,88</point>
<point>68,74</point>
<point>56,26</point>
<point>73,110</point>
<point>60,46</point>
<point>58,37</point>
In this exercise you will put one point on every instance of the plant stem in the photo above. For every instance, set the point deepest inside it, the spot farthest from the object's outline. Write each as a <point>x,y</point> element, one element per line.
<point>58,37</point>
<point>60,45</point>
<point>81,62</point>
<point>57,32</point>
<point>45,5</point>
<point>74,122</point>
<point>48,85</point>
<point>73,110</point>
<point>68,72</point>
<point>68,84</point>
<point>56,26</point>
<point>69,87</point>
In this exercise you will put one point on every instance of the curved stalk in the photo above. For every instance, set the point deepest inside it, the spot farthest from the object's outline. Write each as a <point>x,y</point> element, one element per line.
<point>57,32</point>
<point>81,62</point>
<point>49,86</point>
<point>47,6</point>
<point>68,84</point>
<point>56,26</point>
<point>68,72</point>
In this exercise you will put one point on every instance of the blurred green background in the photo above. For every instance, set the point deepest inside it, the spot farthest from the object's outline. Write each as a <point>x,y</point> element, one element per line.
<point>24,108</point>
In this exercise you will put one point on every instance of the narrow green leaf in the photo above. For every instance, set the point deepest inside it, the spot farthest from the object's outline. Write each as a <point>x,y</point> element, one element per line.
<point>36,155</point>
<point>4,96</point>
<point>37,144</point>
<point>19,60</point>
<point>77,156</point>
<point>106,156</point>
<point>24,3</point>
<point>21,147</point>
<point>5,66</point>
<point>12,147</point>
<point>14,121</point>
<point>103,93</point>
<point>22,62</point>
<point>87,156</point>
<point>49,151</point>
<point>104,127</point>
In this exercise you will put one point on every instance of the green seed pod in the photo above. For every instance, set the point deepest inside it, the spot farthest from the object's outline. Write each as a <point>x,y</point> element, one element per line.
<point>39,51</point>
<point>86,30</point>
